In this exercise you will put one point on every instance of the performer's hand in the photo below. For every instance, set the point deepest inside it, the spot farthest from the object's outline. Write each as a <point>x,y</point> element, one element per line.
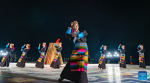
<point>73,35</point>
<point>24,45</point>
<point>102,45</point>
<point>119,44</point>
<point>137,51</point>
<point>39,44</point>
<point>8,43</point>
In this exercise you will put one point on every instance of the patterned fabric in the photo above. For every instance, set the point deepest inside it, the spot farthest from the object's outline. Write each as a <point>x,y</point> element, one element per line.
<point>141,57</point>
<point>22,55</point>
<point>56,56</point>
<point>41,57</point>
<point>79,57</point>
<point>101,59</point>
<point>122,58</point>
<point>5,56</point>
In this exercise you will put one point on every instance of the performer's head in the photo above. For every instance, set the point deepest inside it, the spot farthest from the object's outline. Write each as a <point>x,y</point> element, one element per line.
<point>11,45</point>
<point>59,44</point>
<point>44,44</point>
<point>28,46</point>
<point>123,46</point>
<point>75,25</point>
<point>105,47</point>
<point>141,46</point>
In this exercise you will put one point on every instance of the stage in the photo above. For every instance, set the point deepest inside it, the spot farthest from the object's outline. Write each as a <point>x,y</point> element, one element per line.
<point>112,74</point>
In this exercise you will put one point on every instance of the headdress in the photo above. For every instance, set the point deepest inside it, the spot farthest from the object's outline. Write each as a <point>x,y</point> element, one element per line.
<point>72,23</point>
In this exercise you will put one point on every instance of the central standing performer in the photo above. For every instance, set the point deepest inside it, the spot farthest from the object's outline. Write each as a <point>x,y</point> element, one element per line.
<point>76,68</point>
<point>102,62</point>
<point>56,60</point>
<point>21,62</point>
<point>40,61</point>
<point>121,48</point>
<point>141,51</point>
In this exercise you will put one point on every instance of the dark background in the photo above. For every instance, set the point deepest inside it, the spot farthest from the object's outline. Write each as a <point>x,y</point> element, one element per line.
<point>107,22</point>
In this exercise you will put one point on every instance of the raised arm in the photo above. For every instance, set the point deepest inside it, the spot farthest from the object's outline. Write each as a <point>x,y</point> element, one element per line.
<point>101,49</point>
<point>39,49</point>
<point>138,48</point>
<point>22,48</point>
<point>7,45</point>
<point>119,48</point>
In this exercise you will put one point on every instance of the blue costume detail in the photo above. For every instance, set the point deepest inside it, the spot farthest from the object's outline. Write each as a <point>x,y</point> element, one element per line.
<point>39,51</point>
<point>6,46</point>
<point>38,48</point>
<point>68,31</point>
<point>22,47</point>
<point>120,50</point>
<point>138,46</point>
<point>55,44</point>
<point>80,35</point>
<point>139,51</point>
<point>100,51</point>
<point>101,48</point>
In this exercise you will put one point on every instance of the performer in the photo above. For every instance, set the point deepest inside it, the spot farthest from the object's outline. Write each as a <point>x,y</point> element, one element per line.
<point>141,51</point>
<point>40,61</point>
<point>21,62</point>
<point>76,68</point>
<point>121,48</point>
<point>102,61</point>
<point>56,60</point>
<point>131,60</point>
<point>5,60</point>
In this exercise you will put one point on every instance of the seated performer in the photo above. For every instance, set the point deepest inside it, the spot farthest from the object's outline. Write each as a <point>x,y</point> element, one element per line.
<point>40,61</point>
<point>121,48</point>
<point>141,51</point>
<point>102,61</point>
<point>56,61</point>
<point>21,62</point>
<point>5,60</point>
<point>76,68</point>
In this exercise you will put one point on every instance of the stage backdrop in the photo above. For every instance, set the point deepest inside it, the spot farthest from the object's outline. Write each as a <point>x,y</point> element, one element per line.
<point>51,54</point>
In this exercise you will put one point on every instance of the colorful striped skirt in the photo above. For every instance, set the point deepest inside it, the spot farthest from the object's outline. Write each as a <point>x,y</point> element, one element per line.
<point>101,59</point>
<point>22,55</point>
<point>41,57</point>
<point>122,58</point>
<point>56,56</point>
<point>141,57</point>
<point>79,57</point>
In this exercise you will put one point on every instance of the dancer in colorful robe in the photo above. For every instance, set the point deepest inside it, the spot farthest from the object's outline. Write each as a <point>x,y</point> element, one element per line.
<point>5,60</point>
<point>76,68</point>
<point>141,51</point>
<point>40,61</point>
<point>121,48</point>
<point>56,60</point>
<point>21,62</point>
<point>102,62</point>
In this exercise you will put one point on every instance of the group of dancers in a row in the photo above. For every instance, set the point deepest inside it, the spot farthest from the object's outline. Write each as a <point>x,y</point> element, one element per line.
<point>25,48</point>
<point>76,68</point>
<point>121,49</point>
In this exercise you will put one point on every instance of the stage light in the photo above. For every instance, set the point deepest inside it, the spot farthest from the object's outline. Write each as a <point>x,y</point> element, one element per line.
<point>109,53</point>
<point>4,53</point>
<point>115,52</point>
<point>1,51</point>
